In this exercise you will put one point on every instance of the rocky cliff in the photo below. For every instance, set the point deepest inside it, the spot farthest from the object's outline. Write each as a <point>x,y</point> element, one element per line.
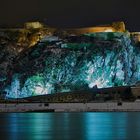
<point>36,61</point>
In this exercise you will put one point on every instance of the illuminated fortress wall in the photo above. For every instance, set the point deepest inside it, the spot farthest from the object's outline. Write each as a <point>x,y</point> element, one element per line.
<point>114,27</point>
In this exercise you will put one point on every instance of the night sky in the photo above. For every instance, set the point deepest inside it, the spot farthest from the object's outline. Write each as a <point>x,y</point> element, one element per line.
<point>71,13</point>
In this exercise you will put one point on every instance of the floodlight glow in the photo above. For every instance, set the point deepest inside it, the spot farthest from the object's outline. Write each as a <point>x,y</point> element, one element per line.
<point>109,30</point>
<point>39,89</point>
<point>97,83</point>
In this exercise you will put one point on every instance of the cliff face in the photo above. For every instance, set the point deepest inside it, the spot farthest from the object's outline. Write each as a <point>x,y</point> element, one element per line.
<point>13,43</point>
<point>34,62</point>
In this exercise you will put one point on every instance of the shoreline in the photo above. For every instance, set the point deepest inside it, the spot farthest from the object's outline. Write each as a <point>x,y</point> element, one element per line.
<point>70,107</point>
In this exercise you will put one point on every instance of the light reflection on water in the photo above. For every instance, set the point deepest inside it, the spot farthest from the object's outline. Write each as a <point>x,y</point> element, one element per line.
<point>70,126</point>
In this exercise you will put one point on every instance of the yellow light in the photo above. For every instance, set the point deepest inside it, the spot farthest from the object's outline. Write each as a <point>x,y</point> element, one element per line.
<point>108,30</point>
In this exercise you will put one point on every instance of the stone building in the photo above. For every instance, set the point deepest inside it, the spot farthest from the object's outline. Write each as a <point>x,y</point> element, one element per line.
<point>33,25</point>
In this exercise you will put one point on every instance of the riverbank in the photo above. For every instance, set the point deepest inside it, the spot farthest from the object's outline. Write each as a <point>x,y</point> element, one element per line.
<point>71,107</point>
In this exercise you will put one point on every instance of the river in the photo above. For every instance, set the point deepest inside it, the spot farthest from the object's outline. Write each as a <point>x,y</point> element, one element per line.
<point>70,126</point>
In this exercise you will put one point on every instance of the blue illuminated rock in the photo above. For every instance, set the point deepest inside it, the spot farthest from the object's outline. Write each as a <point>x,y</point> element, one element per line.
<point>75,62</point>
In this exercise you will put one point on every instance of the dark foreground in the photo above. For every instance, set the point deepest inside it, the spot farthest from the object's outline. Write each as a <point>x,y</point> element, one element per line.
<point>70,126</point>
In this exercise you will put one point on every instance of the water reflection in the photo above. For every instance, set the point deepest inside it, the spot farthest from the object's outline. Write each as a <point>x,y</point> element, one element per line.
<point>106,126</point>
<point>70,126</point>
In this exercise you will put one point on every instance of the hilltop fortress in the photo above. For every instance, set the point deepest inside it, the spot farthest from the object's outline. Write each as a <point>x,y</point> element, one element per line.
<point>114,27</point>
<point>33,32</point>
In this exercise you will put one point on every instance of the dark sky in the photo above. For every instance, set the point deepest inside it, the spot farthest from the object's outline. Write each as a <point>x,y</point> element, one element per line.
<point>71,13</point>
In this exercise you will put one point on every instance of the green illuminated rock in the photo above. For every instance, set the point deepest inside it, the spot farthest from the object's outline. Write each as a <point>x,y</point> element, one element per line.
<point>71,63</point>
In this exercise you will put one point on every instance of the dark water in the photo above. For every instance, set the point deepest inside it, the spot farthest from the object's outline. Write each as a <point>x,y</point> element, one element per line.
<point>70,126</point>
